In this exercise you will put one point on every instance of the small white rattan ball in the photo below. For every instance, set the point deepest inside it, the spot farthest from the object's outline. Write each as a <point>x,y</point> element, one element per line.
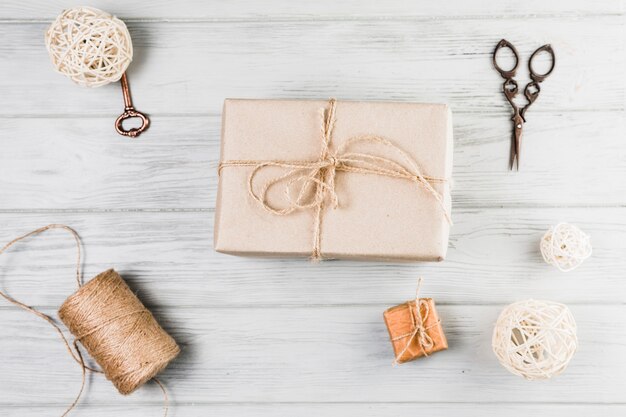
<point>89,46</point>
<point>535,339</point>
<point>565,246</point>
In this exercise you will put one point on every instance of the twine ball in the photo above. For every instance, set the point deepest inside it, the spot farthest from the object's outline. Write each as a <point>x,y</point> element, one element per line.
<point>89,46</point>
<point>535,339</point>
<point>565,246</point>
<point>118,331</point>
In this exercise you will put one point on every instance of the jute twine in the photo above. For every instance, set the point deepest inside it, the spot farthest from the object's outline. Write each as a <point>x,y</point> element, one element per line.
<point>535,339</point>
<point>315,180</point>
<point>565,246</point>
<point>115,328</point>
<point>89,46</point>
<point>419,332</point>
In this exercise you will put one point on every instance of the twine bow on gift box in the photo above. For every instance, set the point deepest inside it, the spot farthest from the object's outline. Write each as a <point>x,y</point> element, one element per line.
<point>315,180</point>
<point>419,332</point>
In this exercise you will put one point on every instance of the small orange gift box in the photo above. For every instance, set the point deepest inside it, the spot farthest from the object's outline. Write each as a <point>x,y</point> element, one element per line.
<point>415,329</point>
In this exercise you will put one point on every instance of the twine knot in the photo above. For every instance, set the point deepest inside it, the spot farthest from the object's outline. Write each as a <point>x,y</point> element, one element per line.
<point>332,161</point>
<point>309,184</point>
<point>419,332</point>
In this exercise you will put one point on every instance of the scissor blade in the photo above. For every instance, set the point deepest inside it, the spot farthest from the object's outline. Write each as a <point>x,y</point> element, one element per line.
<point>512,157</point>
<point>514,148</point>
<point>516,145</point>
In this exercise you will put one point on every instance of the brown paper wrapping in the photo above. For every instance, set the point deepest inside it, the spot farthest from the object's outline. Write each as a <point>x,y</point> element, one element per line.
<point>399,322</point>
<point>378,218</point>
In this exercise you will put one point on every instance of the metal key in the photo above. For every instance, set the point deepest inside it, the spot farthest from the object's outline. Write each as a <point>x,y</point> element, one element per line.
<point>130,112</point>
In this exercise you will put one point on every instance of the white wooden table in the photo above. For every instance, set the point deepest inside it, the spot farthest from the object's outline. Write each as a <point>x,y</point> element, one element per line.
<point>285,337</point>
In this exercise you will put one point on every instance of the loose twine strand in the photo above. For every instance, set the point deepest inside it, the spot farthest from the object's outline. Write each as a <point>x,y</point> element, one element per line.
<point>76,353</point>
<point>316,179</point>
<point>419,331</point>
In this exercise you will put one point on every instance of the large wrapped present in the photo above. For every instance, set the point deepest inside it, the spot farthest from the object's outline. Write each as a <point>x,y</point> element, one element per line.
<point>335,179</point>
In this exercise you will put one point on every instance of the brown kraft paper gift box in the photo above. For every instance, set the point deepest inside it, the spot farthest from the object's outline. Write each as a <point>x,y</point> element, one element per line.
<point>377,215</point>
<point>409,344</point>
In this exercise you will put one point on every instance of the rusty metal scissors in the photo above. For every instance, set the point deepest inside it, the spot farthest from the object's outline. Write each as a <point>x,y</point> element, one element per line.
<point>531,92</point>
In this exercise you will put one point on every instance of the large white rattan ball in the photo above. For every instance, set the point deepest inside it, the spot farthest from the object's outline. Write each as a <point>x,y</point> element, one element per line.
<point>565,246</point>
<point>89,46</point>
<point>535,339</point>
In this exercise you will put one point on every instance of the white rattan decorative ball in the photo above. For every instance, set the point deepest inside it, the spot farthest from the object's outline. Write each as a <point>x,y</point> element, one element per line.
<point>89,46</point>
<point>535,339</point>
<point>565,246</point>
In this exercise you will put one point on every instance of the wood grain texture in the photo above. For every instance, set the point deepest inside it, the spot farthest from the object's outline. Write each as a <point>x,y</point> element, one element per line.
<point>358,409</point>
<point>321,9</point>
<point>318,354</point>
<point>189,67</point>
<point>286,337</point>
<point>83,164</point>
<point>493,259</point>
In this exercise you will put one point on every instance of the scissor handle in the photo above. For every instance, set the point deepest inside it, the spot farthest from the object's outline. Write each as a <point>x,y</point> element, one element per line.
<point>531,91</point>
<point>505,73</point>
<point>536,77</point>
<point>510,88</point>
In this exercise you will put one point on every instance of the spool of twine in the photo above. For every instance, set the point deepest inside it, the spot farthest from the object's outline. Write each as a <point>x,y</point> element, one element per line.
<point>118,332</point>
<point>112,324</point>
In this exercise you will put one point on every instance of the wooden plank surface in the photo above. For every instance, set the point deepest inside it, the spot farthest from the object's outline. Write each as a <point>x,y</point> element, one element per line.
<point>493,258</point>
<point>287,337</point>
<point>188,67</point>
<point>359,409</point>
<point>12,10</point>
<point>83,164</point>
<point>319,354</point>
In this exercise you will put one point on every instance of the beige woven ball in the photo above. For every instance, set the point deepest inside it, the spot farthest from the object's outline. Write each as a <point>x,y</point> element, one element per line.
<point>565,246</point>
<point>89,46</point>
<point>535,339</point>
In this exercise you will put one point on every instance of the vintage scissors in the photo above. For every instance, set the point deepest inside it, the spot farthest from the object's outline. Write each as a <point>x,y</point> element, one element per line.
<point>531,92</point>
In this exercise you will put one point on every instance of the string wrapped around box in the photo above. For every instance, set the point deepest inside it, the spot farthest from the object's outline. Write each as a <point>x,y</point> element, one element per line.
<point>535,339</point>
<point>414,328</point>
<point>286,164</point>
<point>112,324</point>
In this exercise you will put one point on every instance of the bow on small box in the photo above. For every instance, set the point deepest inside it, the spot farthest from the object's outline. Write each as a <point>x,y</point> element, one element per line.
<point>415,329</point>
